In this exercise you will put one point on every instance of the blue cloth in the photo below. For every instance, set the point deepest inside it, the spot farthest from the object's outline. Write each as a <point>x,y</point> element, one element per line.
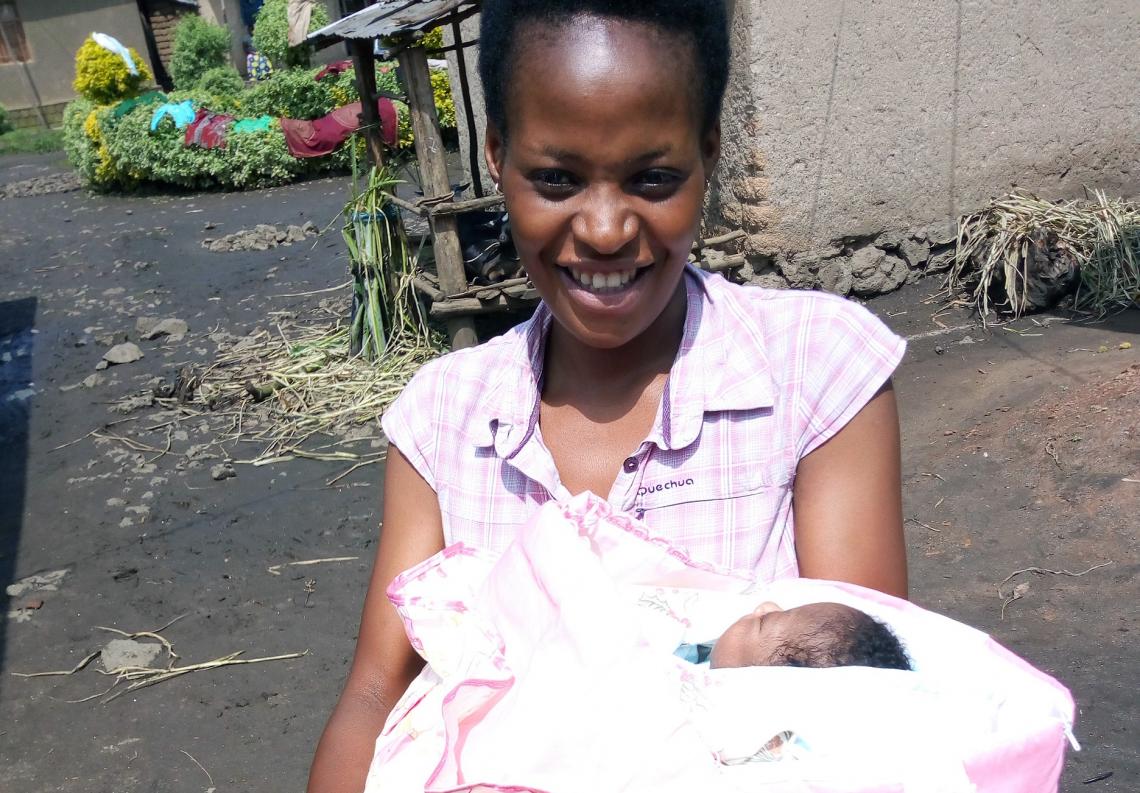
<point>182,113</point>
<point>694,653</point>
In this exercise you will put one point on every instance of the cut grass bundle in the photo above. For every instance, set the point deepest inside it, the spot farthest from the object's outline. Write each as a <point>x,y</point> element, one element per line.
<point>1021,253</point>
<point>383,310</point>
<point>297,391</point>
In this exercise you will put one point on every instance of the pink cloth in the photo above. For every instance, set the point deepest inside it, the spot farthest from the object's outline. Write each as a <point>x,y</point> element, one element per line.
<point>550,669</point>
<point>762,378</point>
<point>323,135</point>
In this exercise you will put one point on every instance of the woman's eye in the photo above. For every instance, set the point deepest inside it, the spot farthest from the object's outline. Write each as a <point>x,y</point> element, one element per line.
<point>657,183</point>
<point>554,180</point>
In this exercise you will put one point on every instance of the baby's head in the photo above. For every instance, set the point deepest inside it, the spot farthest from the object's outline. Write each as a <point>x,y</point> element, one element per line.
<point>815,635</point>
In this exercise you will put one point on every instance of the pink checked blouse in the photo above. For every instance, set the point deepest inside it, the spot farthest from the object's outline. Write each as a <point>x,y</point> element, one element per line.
<point>761,379</point>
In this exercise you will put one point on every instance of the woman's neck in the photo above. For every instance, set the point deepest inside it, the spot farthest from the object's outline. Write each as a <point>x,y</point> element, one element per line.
<point>572,367</point>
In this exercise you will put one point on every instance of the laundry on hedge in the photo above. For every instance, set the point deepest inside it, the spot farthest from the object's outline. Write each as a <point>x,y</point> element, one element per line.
<point>259,124</point>
<point>321,136</point>
<point>112,44</point>
<point>127,105</point>
<point>333,69</point>
<point>208,130</point>
<point>181,112</point>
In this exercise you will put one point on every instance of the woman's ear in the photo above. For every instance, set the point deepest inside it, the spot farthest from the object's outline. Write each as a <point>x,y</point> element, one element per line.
<point>494,149</point>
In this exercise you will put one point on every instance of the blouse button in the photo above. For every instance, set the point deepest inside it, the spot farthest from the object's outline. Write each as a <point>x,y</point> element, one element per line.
<point>630,465</point>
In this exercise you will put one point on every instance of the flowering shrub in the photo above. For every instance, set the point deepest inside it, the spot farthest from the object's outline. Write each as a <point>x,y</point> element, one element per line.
<point>199,48</point>
<point>103,77</point>
<point>444,102</point>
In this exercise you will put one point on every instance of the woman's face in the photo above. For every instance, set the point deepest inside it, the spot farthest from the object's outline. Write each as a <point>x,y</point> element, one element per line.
<point>604,171</point>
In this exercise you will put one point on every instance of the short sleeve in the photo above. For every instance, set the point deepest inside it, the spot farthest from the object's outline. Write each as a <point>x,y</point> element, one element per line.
<point>849,355</point>
<point>409,422</point>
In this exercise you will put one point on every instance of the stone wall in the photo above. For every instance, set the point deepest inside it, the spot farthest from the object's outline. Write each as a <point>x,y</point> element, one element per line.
<point>856,132</point>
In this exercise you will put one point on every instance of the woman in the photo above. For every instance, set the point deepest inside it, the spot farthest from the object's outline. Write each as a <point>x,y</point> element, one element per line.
<point>706,409</point>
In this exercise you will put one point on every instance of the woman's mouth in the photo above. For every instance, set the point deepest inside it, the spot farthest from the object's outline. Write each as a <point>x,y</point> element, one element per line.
<point>610,283</point>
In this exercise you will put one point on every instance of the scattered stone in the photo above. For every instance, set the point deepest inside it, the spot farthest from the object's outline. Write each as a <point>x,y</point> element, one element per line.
<point>835,276</point>
<point>110,339</point>
<point>939,350</point>
<point>967,340</point>
<point>93,380</point>
<point>101,366</point>
<point>222,471</point>
<point>127,352</point>
<point>113,291</point>
<point>40,582</point>
<point>1124,345</point>
<point>115,502</point>
<point>42,185</point>
<point>915,251</point>
<point>175,328</point>
<point>118,653</point>
<point>131,404</point>
<point>261,237</point>
<point>144,325</point>
<point>876,272</point>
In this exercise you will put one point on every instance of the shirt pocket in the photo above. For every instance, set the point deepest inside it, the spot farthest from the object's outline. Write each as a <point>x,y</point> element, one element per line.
<point>740,522</point>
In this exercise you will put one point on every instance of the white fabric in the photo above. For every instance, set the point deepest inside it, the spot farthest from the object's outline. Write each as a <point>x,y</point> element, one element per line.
<point>551,669</point>
<point>114,45</point>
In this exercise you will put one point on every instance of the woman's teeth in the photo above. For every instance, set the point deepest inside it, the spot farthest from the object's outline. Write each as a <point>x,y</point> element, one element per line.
<point>603,282</point>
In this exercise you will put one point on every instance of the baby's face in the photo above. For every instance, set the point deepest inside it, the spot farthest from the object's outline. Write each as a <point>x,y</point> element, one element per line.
<point>757,638</point>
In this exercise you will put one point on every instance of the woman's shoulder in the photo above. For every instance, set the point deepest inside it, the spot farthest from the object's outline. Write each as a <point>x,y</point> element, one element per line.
<point>786,321</point>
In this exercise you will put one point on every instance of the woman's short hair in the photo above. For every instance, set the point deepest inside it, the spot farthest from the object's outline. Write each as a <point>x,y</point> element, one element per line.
<point>703,23</point>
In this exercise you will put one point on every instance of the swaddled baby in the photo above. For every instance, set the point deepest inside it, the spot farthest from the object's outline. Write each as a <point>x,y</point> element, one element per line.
<point>815,635</point>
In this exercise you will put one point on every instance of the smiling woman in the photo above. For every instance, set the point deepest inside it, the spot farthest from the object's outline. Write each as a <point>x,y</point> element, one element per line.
<point>755,430</point>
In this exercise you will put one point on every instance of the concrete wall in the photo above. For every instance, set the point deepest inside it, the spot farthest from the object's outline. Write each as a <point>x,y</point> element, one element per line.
<point>55,29</point>
<point>846,119</point>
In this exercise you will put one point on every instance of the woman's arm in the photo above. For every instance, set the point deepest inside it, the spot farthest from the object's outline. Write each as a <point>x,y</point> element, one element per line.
<point>385,662</point>
<point>848,503</point>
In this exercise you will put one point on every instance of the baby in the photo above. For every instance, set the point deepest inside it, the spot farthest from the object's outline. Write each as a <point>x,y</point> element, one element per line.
<point>815,635</point>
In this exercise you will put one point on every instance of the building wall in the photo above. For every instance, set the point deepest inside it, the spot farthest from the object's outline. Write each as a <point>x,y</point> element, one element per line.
<point>848,119</point>
<point>55,30</point>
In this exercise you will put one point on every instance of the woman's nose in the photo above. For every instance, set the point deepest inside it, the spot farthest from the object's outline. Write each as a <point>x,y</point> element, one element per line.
<point>605,222</point>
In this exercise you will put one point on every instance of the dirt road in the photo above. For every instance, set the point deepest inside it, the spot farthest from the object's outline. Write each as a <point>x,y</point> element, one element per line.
<point>1021,445</point>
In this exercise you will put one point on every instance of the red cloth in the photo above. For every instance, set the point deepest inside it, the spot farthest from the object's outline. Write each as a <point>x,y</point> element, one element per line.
<point>321,136</point>
<point>333,69</point>
<point>208,130</point>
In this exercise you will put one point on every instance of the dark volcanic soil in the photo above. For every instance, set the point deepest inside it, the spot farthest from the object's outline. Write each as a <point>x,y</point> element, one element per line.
<point>1021,450</point>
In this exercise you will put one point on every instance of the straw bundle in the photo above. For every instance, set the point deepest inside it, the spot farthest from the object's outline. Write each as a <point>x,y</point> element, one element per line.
<point>1021,253</point>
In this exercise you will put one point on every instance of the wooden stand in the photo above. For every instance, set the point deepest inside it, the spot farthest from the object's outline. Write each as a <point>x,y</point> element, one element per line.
<point>433,172</point>
<point>364,65</point>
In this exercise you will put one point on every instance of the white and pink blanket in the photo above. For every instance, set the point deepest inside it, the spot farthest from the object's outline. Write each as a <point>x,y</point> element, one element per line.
<point>550,669</point>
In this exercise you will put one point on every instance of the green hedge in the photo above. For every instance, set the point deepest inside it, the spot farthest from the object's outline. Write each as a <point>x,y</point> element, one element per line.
<point>120,153</point>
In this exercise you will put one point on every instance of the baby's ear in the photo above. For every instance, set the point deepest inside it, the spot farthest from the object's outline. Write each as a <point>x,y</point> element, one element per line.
<point>767,607</point>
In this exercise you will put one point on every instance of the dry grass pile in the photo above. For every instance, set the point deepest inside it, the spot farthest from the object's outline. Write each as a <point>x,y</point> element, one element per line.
<point>1021,253</point>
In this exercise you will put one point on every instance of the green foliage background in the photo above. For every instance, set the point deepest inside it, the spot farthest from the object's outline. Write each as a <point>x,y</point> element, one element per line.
<point>271,34</point>
<point>199,47</point>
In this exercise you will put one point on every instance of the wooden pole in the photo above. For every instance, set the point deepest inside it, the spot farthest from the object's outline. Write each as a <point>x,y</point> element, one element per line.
<point>433,175</point>
<point>365,66</point>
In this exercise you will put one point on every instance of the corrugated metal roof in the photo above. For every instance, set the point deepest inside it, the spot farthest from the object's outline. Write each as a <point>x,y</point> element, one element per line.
<point>388,17</point>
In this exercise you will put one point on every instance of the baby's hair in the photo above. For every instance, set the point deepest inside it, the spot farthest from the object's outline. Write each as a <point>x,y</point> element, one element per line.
<point>853,639</point>
<point>703,23</point>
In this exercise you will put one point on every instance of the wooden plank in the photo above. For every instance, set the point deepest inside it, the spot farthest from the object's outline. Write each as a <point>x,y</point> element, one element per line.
<point>434,181</point>
<point>364,64</point>
<point>455,207</point>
